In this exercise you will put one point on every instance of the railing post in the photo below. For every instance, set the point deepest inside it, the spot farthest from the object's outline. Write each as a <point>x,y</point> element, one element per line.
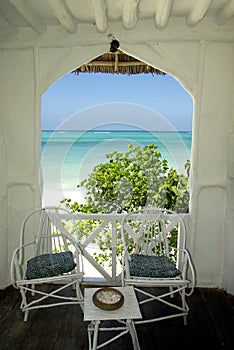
<point>114,241</point>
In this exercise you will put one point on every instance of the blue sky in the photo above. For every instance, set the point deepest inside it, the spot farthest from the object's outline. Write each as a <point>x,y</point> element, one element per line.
<point>136,97</point>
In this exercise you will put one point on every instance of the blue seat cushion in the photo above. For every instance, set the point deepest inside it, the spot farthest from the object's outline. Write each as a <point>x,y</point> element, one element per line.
<point>49,265</point>
<point>152,266</point>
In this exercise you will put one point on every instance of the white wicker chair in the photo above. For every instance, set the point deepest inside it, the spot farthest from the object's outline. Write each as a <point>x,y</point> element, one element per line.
<point>45,239</point>
<point>149,261</point>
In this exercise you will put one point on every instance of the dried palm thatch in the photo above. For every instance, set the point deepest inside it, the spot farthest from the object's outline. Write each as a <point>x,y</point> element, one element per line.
<point>117,63</point>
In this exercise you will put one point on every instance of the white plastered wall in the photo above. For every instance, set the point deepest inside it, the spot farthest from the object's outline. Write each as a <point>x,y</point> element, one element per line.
<point>19,156</point>
<point>3,208</point>
<point>210,204</point>
<point>28,73</point>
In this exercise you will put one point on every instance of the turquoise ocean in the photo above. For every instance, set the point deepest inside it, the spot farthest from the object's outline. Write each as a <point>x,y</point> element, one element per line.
<point>67,157</point>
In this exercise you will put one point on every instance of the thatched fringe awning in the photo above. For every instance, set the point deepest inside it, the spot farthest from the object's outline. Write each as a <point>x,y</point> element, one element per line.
<point>117,63</point>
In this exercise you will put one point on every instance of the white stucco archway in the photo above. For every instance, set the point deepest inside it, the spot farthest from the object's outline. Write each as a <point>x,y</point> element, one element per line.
<point>171,59</point>
<point>194,61</point>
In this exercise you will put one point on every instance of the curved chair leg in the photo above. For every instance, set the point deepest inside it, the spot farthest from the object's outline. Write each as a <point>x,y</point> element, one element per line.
<point>171,291</point>
<point>78,291</point>
<point>132,331</point>
<point>184,305</point>
<point>26,315</point>
<point>24,304</point>
<point>79,295</point>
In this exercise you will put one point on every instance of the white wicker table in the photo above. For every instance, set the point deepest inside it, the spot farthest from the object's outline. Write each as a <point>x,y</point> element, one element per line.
<point>124,315</point>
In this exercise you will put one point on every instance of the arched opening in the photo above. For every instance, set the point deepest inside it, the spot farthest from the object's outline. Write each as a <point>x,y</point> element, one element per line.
<point>151,120</point>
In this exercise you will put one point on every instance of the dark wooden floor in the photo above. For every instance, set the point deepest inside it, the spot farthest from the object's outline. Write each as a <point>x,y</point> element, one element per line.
<point>210,326</point>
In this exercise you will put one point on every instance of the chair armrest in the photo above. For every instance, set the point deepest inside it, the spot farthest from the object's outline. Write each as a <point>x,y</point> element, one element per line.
<point>80,253</point>
<point>188,264</point>
<point>79,256</point>
<point>126,257</point>
<point>17,263</point>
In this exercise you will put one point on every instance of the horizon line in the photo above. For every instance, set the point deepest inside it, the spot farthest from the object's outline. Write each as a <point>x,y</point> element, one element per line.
<point>113,130</point>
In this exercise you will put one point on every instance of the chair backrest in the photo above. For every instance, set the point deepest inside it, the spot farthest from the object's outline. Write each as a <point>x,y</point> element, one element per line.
<point>155,231</point>
<point>49,229</point>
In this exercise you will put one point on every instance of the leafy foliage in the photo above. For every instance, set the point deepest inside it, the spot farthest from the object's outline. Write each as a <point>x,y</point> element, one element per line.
<point>131,180</point>
<point>126,182</point>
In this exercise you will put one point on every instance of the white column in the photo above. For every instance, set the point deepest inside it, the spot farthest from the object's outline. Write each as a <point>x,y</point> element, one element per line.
<point>21,127</point>
<point>212,124</point>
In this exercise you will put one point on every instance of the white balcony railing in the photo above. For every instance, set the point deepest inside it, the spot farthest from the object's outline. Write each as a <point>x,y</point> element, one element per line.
<point>103,229</point>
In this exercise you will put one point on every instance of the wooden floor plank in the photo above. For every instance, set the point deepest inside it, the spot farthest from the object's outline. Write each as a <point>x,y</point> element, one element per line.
<point>13,329</point>
<point>201,330</point>
<point>210,326</point>
<point>73,333</point>
<point>8,299</point>
<point>221,313</point>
